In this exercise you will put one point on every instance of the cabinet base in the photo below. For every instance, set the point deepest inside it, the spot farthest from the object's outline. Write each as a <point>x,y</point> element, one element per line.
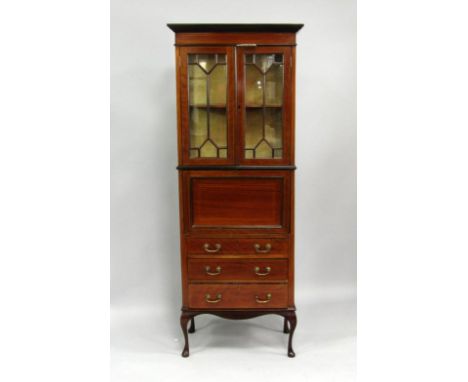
<point>289,325</point>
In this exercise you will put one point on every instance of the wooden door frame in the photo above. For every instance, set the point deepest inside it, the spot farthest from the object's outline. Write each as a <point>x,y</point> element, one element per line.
<point>184,127</point>
<point>288,104</point>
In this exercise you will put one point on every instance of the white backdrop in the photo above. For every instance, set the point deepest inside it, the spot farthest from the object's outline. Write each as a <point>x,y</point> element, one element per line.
<point>145,275</point>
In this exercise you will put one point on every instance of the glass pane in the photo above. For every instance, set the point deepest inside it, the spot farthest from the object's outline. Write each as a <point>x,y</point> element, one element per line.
<point>218,127</point>
<point>192,58</point>
<point>264,61</point>
<point>223,153</point>
<point>207,61</point>
<point>279,58</point>
<point>278,153</point>
<point>274,127</point>
<point>263,150</point>
<point>249,154</point>
<point>253,86</point>
<point>198,128</point>
<point>197,85</point>
<point>218,86</point>
<point>207,77</point>
<point>253,127</point>
<point>208,138</point>
<point>208,150</point>
<point>264,85</point>
<point>274,86</point>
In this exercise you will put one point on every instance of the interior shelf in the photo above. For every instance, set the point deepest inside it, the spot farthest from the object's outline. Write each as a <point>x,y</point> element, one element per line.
<point>262,106</point>
<point>212,106</point>
<point>218,106</point>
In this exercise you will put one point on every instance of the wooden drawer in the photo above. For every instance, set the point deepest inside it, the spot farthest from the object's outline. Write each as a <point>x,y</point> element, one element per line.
<point>216,296</point>
<point>262,247</point>
<point>244,270</point>
<point>223,246</point>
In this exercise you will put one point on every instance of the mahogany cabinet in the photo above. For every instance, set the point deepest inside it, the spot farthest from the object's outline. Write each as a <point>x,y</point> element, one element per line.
<point>235,104</point>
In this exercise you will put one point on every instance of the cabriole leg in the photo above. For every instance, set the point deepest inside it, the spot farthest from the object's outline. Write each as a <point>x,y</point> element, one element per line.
<point>184,319</point>
<point>292,326</point>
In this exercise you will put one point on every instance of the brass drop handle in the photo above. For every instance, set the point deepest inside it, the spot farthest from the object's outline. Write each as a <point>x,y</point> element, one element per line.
<point>268,299</point>
<point>218,271</point>
<point>259,249</point>
<point>258,273</point>
<point>217,248</point>
<point>208,297</point>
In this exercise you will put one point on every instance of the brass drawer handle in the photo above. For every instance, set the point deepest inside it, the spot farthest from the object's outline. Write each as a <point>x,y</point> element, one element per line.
<point>258,248</point>
<point>257,271</point>
<point>208,296</point>
<point>217,248</point>
<point>218,271</point>
<point>268,299</point>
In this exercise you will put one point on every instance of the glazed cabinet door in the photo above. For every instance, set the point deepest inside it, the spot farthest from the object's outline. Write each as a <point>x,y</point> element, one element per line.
<point>265,102</point>
<point>207,105</point>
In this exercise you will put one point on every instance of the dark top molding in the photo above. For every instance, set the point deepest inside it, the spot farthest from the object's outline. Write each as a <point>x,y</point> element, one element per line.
<point>233,28</point>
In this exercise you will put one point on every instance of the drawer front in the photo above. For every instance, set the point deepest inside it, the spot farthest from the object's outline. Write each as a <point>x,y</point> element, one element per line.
<point>220,246</point>
<point>219,296</point>
<point>263,246</point>
<point>244,270</point>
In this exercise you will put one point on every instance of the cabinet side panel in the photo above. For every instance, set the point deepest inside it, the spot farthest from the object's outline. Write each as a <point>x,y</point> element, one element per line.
<point>183,254</point>
<point>292,141</point>
<point>291,244</point>
<point>179,123</point>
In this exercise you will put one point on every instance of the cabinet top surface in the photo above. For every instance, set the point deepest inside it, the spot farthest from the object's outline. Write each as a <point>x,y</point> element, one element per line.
<point>233,28</point>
